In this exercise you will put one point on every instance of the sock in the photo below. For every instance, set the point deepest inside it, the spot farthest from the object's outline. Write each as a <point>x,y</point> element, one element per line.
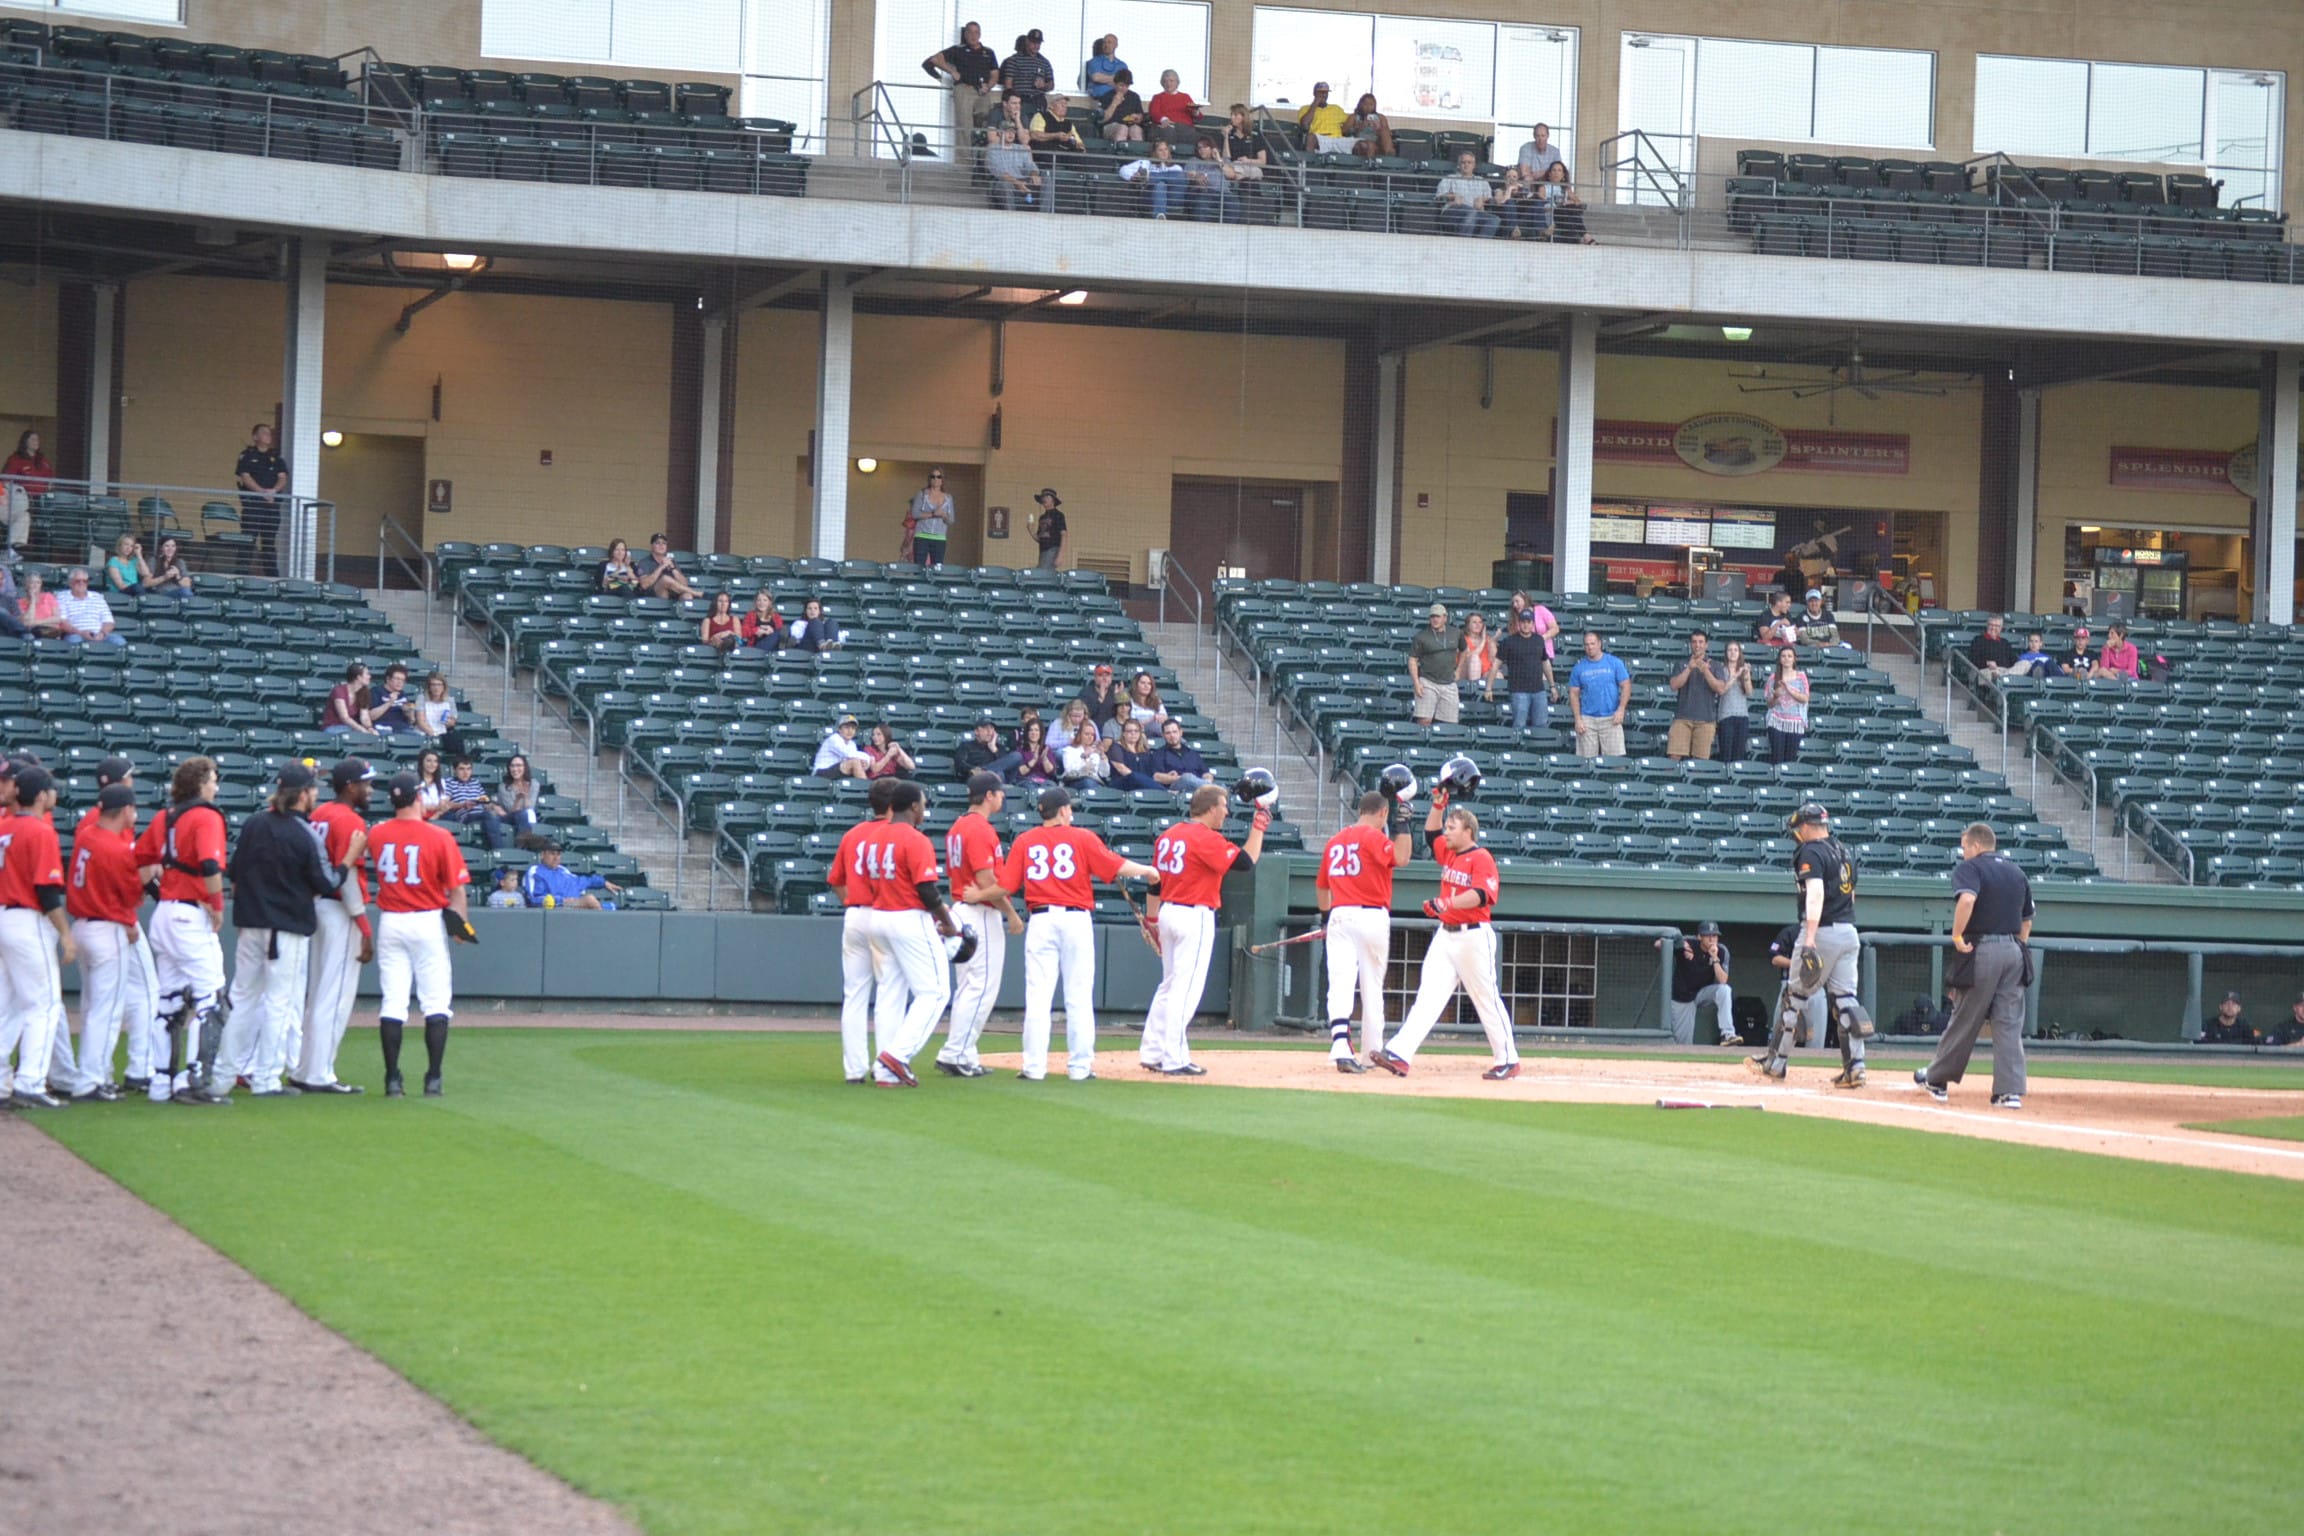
<point>435,1042</point>
<point>1339,1038</point>
<point>388,1031</point>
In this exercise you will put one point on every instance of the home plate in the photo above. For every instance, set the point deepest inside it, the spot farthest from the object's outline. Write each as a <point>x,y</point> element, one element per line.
<point>1702,1104</point>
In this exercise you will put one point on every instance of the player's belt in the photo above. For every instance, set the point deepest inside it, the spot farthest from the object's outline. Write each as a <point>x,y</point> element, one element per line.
<point>1198,906</point>
<point>1362,906</point>
<point>1993,938</point>
<point>1036,911</point>
<point>1459,927</point>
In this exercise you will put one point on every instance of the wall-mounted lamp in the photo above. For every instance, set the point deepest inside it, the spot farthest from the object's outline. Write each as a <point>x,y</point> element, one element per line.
<point>331,438</point>
<point>459,261</point>
<point>867,466</point>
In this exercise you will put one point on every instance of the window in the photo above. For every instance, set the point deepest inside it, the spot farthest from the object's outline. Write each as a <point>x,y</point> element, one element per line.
<point>787,62</point>
<point>165,12</point>
<point>2225,120</point>
<point>780,48</point>
<point>1504,79</point>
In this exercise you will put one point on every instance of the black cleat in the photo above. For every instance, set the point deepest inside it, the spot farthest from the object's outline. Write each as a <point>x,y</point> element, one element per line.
<point>1189,1069</point>
<point>431,1085</point>
<point>1350,1066</point>
<point>34,1098</point>
<point>950,1068</point>
<point>102,1093</point>
<point>135,1085</point>
<point>394,1086</point>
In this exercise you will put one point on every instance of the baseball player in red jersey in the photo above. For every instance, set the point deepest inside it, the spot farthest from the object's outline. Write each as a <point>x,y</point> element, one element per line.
<point>858,923</point>
<point>345,939</point>
<point>102,894</point>
<point>420,874</point>
<point>898,865</point>
<point>33,928</point>
<point>981,908</point>
<point>1355,891</point>
<point>1463,950</point>
<point>1192,857</point>
<point>184,845</point>
<point>1055,866</point>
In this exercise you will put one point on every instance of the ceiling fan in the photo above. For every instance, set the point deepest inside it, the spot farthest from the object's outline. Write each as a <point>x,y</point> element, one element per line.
<point>1851,374</point>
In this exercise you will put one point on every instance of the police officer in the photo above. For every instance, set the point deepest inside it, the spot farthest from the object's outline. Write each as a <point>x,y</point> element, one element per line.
<point>1991,925</point>
<point>1825,878</point>
<point>277,872</point>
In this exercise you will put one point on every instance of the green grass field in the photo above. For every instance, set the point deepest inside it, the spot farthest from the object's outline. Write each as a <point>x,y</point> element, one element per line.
<point>698,1276</point>
<point>2277,1127</point>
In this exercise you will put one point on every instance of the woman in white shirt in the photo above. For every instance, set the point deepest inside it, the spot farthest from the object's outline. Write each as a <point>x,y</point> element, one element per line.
<point>431,787</point>
<point>436,711</point>
<point>1084,760</point>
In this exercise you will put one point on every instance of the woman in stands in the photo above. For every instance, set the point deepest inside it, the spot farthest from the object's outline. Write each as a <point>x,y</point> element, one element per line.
<point>1787,707</point>
<point>38,608</point>
<point>431,786</point>
<point>125,572</point>
<point>1525,213</point>
<point>619,577</point>
<point>436,711</point>
<point>1476,658</point>
<point>1735,707</point>
<point>516,799</point>
<point>1144,706</point>
<point>928,521</point>
<point>1123,114</point>
<point>1126,757</point>
<point>763,626</point>
<point>721,629</point>
<point>1084,760</point>
<point>883,759</point>
<point>346,713</point>
<point>814,630</point>
<point>171,577</point>
<point>1038,766</point>
<point>1068,723</point>
<point>2118,659</point>
<point>1567,208</point>
<point>1172,105</point>
<point>1242,146</point>
<point>26,474</point>
<point>1371,128</point>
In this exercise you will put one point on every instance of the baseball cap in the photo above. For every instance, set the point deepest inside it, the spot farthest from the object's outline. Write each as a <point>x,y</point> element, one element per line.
<point>114,770</point>
<point>1052,801</point>
<point>990,720</point>
<point>1524,616</point>
<point>1817,593</point>
<point>2230,997</point>
<point>353,770</point>
<point>1048,494</point>
<point>2081,633</point>
<point>1810,814</point>
<point>32,781</point>
<point>548,846</point>
<point>843,720</point>
<point>1707,930</point>
<point>1319,85</point>
<point>296,776</point>
<point>113,797</point>
<point>402,789</point>
<point>1437,610</point>
<point>1103,669</point>
<point>983,782</point>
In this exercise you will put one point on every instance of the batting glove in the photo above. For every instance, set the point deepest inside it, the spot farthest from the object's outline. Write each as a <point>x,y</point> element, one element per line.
<point>1434,910</point>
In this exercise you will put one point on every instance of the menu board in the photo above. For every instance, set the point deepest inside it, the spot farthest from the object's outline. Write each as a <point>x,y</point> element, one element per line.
<point>1683,526</point>
<point>1738,528</point>
<point>1619,525</point>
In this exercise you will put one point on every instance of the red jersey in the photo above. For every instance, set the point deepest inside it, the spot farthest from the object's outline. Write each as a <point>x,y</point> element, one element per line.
<point>1356,868</point>
<point>337,823</point>
<point>971,845</point>
<point>104,887</point>
<point>1473,869</point>
<point>893,858</point>
<point>190,834</point>
<point>844,874</point>
<point>1192,859</point>
<point>418,866</point>
<point>29,860</point>
<point>1057,866</point>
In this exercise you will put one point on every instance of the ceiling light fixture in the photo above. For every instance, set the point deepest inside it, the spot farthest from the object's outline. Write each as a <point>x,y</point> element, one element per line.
<point>1076,296</point>
<point>459,261</point>
<point>1737,332</point>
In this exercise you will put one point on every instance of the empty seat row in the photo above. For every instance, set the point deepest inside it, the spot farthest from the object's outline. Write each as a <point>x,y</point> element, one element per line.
<point>443,87</point>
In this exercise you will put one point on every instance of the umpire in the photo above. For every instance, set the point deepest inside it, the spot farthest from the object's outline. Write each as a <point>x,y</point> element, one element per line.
<point>1990,967</point>
<point>277,871</point>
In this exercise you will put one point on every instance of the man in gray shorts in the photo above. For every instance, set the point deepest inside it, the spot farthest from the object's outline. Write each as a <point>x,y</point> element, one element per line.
<point>1432,668</point>
<point>1991,924</point>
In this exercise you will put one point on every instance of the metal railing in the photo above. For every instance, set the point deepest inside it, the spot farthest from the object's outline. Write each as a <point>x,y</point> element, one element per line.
<point>2149,828</point>
<point>878,122</point>
<point>84,518</point>
<point>1314,955</point>
<point>1173,574</point>
<point>424,568</point>
<point>1990,702</point>
<point>1633,169</point>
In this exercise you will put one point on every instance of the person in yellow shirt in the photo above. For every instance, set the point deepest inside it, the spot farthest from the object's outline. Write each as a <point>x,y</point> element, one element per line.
<point>1323,124</point>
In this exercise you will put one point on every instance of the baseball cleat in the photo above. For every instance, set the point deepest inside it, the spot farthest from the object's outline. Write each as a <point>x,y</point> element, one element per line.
<point>102,1093</point>
<point>1503,1071</point>
<point>242,1082</point>
<point>858,1082</point>
<point>1392,1062</point>
<point>2007,1101</point>
<point>950,1068</point>
<point>1350,1066</point>
<point>135,1085</point>
<point>394,1086</point>
<point>975,1069</point>
<point>1081,1077</point>
<point>1189,1069</point>
<point>327,1087</point>
<point>281,1092</point>
<point>1033,1077</point>
<point>1765,1066</point>
<point>34,1098</point>
<point>1149,1066</point>
<point>1849,1077</point>
<point>898,1069</point>
<point>431,1085</point>
<point>1940,1092</point>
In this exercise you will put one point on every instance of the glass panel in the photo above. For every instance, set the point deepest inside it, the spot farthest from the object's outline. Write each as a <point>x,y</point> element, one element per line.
<point>794,101</point>
<point>789,37</point>
<point>2031,106</point>
<point>2138,112</point>
<point>2244,133</point>
<point>680,34</point>
<point>1155,35</point>
<point>1876,97</point>
<point>1292,49</point>
<point>1435,69</point>
<point>1535,83</point>
<point>1755,90</point>
<point>167,11</point>
<point>573,30</point>
<point>1653,91</point>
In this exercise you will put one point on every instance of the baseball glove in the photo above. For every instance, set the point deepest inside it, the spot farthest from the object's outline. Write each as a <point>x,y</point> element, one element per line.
<point>1808,972</point>
<point>459,927</point>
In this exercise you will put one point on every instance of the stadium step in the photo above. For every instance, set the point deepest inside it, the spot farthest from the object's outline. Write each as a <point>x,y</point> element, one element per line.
<point>1253,726</point>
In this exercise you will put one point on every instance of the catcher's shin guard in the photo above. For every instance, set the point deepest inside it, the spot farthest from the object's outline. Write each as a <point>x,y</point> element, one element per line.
<point>211,1021</point>
<point>178,1023</point>
<point>1855,1026</point>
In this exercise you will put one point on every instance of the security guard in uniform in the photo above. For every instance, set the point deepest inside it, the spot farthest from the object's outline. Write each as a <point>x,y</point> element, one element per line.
<point>1990,968</point>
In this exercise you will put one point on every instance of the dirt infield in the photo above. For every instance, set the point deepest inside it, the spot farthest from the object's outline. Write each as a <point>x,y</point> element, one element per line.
<point>2144,1121</point>
<point>150,1385</point>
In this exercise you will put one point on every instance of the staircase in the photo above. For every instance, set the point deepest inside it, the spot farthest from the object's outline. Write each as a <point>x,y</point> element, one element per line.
<point>1224,694</point>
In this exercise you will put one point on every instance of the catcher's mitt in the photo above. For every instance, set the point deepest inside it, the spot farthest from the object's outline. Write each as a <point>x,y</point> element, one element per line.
<point>459,927</point>
<point>1807,972</point>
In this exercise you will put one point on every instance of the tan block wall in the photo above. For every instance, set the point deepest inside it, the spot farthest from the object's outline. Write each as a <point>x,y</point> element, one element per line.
<point>28,360</point>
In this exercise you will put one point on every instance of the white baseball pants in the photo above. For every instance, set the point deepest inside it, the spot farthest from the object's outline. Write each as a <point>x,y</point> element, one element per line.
<point>1359,948</point>
<point>1187,939</point>
<point>31,998</point>
<point>188,959</point>
<point>411,950</point>
<point>856,929</point>
<point>1060,946</point>
<point>116,995</point>
<point>914,979</point>
<point>976,985</point>
<point>1458,957</point>
<point>267,997</point>
<point>331,983</point>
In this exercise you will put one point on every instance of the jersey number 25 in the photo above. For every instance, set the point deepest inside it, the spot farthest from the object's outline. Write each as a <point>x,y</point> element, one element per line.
<point>1344,859</point>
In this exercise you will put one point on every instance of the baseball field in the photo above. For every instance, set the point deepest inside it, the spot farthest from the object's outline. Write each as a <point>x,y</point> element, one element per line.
<point>698,1278</point>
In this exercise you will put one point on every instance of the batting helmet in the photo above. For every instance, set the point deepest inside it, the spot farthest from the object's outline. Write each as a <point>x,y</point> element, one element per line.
<point>1460,776</point>
<point>1399,781</point>
<point>1810,814</point>
<point>961,947</point>
<point>1257,786</point>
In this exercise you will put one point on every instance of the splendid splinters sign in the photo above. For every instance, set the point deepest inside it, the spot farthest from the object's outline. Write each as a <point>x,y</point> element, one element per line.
<point>1731,444</point>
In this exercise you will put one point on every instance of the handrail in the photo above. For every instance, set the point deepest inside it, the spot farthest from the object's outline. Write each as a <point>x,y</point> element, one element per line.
<point>627,761</point>
<point>426,570</point>
<point>137,498</point>
<point>2147,825</point>
<point>1992,708</point>
<point>1171,573</point>
<point>1675,191</point>
<point>880,112</point>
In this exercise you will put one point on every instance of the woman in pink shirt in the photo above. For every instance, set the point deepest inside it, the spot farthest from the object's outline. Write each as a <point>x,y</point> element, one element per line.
<point>2118,658</point>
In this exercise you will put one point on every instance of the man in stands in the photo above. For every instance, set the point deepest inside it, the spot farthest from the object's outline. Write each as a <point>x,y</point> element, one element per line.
<point>1015,179</point>
<point>393,710</point>
<point>1817,626</point>
<point>550,883</point>
<point>1323,124</point>
<point>1050,531</point>
<point>87,617</point>
<point>469,802</point>
<point>1105,64</point>
<point>2230,1026</point>
<point>1102,696</point>
<point>1432,669</point>
<point>1990,651</point>
<point>1599,692</point>
<point>659,577</point>
<point>1539,155</point>
<point>970,68</point>
<point>262,476</point>
<point>1778,629</point>
<point>1026,76</point>
<point>981,753</point>
<point>2082,661</point>
<point>1211,175</point>
<point>2036,662</point>
<point>1175,766</point>
<point>1527,659</point>
<point>1464,199</point>
<point>1696,713</point>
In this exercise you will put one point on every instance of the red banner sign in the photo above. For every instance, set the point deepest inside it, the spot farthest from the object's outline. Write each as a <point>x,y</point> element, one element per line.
<point>2205,472</point>
<point>1746,445</point>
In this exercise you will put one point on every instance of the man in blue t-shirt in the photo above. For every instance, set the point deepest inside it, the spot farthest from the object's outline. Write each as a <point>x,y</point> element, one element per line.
<point>1096,78</point>
<point>1599,691</point>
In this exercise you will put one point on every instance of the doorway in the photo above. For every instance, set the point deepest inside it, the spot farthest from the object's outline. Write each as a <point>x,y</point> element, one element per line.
<point>878,501</point>
<point>371,476</point>
<point>1253,524</point>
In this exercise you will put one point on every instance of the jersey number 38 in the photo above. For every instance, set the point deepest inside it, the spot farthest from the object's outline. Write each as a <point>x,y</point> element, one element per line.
<point>1041,861</point>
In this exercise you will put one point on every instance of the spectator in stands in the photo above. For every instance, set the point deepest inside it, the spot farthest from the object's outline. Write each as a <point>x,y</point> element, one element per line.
<point>470,805</point>
<point>26,474</point>
<point>431,784</point>
<point>1369,130</point>
<point>1122,712</point>
<point>2229,1026</point>
<point>37,608</point>
<point>1523,211</point>
<point>1527,663</point>
<point>721,629</point>
<point>1122,111</point>
<point>883,758</point>
<point>1787,707</point>
<point>392,709</point>
<point>1547,627</point>
<point>2036,662</point>
<point>1476,660</point>
<point>1817,626</point>
<point>1026,76</point>
<point>970,69</point>
<point>1599,692</point>
<point>1990,651</point>
<point>1035,763</point>
<point>262,476</point>
<point>436,710</point>
<point>1323,125</point>
<point>1015,179</point>
<point>1024,718</point>
<point>814,630</point>
<point>125,572</point>
<point>1130,758</point>
<point>659,576</point>
<point>1100,76</point>
<point>1779,628</point>
<point>1100,693</point>
<point>619,577</point>
<point>87,618</point>
<point>1735,705</point>
<point>516,800</point>
<point>1791,581</point>
<point>1171,106</point>
<point>1567,207</point>
<point>1538,156</point>
<point>1174,765</point>
<point>838,756</point>
<point>1700,976</point>
<point>1211,175</point>
<point>1432,668</point>
<point>1084,760</point>
<point>11,606</point>
<point>1144,701</point>
<point>1163,178</point>
<point>171,576</point>
<point>762,626</point>
<point>1464,199</point>
<point>1051,128</point>
<point>1051,532</point>
<point>2118,658</point>
<point>346,712</point>
<point>2082,662</point>
<point>506,897</point>
<point>930,520</point>
<point>1697,688</point>
<point>1244,148</point>
<point>981,753</point>
<point>549,883</point>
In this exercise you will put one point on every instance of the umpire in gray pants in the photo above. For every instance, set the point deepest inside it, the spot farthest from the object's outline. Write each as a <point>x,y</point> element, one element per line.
<point>1989,969</point>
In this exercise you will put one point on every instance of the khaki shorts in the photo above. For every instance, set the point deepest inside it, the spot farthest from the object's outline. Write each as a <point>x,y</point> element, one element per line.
<point>1435,703</point>
<point>1691,738</point>
<point>1600,738</point>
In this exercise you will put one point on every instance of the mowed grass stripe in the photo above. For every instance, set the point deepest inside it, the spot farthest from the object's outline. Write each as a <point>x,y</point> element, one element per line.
<point>697,1275</point>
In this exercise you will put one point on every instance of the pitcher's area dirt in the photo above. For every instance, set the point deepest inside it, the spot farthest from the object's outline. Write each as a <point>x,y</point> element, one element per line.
<point>151,1385</point>
<point>2138,1120</point>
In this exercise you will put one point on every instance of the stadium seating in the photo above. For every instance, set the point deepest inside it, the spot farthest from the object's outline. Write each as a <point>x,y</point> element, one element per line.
<point>730,737</point>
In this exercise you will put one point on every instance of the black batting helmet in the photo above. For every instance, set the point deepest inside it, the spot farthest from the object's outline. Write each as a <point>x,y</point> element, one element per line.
<point>1399,781</point>
<point>1810,814</point>
<point>1460,776</point>
<point>1254,784</point>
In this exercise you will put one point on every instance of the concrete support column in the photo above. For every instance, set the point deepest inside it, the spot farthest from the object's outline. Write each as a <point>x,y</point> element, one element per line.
<point>835,374</point>
<point>1572,454</point>
<point>103,388</point>
<point>2024,537</point>
<point>710,361</point>
<point>1386,472</point>
<point>2276,465</point>
<point>305,266</point>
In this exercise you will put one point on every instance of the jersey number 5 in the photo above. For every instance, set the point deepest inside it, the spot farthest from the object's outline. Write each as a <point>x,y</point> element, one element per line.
<point>1041,859</point>
<point>391,871</point>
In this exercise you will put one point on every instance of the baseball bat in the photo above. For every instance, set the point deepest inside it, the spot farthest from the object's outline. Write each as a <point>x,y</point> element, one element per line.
<point>1144,925</point>
<point>1302,938</point>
